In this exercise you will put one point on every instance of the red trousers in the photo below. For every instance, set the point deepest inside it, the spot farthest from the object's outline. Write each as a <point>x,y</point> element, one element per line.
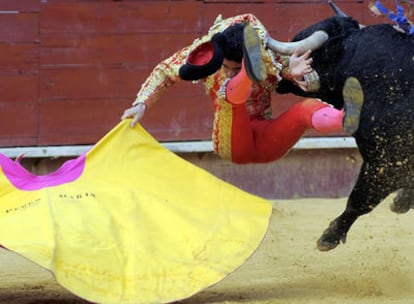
<point>260,141</point>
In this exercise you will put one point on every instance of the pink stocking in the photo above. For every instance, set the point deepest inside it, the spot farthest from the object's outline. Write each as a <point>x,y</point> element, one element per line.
<point>327,119</point>
<point>239,87</point>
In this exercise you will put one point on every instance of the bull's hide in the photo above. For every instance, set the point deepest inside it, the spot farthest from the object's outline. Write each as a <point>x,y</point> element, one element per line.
<point>381,58</point>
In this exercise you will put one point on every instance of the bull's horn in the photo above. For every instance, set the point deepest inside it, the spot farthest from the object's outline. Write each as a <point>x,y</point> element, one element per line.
<point>339,12</point>
<point>313,42</point>
<point>336,9</point>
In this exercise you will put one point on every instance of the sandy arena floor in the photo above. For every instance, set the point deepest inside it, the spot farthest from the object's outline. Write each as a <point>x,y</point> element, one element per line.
<point>375,266</point>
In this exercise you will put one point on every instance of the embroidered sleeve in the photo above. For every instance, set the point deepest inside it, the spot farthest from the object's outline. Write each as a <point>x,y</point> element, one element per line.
<point>162,76</point>
<point>165,74</point>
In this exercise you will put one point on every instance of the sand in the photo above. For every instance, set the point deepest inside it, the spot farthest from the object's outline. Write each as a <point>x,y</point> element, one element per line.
<point>375,266</point>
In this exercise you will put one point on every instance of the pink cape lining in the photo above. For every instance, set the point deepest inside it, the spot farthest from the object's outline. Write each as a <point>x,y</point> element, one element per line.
<point>25,180</point>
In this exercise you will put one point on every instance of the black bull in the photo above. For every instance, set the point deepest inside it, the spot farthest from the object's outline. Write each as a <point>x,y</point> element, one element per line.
<point>382,59</point>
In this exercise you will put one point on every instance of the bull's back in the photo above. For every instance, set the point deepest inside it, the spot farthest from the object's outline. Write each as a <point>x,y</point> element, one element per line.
<point>383,61</point>
<point>382,58</point>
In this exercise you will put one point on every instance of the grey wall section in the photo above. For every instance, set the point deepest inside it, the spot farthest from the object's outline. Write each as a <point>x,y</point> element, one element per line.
<point>301,173</point>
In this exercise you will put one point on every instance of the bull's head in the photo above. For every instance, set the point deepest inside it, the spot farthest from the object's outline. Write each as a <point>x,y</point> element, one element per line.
<point>326,40</point>
<point>313,42</point>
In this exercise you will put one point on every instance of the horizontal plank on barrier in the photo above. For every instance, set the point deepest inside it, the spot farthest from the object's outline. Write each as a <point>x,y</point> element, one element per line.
<point>176,147</point>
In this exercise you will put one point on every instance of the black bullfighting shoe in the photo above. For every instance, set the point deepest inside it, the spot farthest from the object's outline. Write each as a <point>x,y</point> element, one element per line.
<point>252,56</point>
<point>353,101</point>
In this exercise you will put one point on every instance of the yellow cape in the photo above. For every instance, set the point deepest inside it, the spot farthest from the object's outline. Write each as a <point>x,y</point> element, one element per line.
<point>139,225</point>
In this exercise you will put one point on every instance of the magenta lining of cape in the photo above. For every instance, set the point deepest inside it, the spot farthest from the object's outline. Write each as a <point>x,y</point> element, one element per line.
<point>22,179</point>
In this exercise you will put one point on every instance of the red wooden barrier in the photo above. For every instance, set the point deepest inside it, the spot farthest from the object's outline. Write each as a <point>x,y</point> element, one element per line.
<point>68,68</point>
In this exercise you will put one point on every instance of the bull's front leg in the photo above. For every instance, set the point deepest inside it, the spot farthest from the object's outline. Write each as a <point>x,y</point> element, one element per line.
<point>371,188</point>
<point>337,230</point>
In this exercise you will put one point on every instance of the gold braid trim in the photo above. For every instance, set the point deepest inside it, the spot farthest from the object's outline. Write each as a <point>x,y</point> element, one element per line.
<point>285,72</point>
<point>222,125</point>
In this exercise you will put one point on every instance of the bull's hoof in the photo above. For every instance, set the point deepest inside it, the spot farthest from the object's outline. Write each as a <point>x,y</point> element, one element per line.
<point>331,238</point>
<point>325,245</point>
<point>399,207</point>
<point>353,101</point>
<point>402,203</point>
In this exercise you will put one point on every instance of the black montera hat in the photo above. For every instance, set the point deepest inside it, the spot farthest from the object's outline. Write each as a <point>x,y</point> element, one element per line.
<point>204,60</point>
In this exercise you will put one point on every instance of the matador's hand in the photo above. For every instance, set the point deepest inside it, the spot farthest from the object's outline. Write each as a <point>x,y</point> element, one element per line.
<point>300,65</point>
<point>136,113</point>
